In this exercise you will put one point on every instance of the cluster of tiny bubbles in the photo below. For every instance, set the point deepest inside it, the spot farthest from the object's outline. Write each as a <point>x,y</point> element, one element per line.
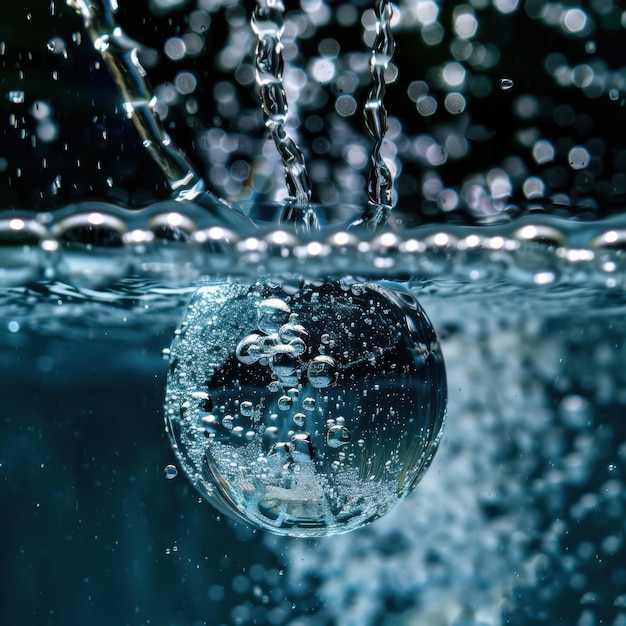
<point>548,492</point>
<point>305,409</point>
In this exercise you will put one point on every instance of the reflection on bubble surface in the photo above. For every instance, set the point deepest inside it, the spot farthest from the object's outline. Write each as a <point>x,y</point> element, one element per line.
<point>305,410</point>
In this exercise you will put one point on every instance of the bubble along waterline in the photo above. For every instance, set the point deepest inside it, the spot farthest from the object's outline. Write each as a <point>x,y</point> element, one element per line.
<point>142,240</point>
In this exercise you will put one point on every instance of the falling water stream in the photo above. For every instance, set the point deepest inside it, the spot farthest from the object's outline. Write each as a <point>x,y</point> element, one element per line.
<point>121,56</point>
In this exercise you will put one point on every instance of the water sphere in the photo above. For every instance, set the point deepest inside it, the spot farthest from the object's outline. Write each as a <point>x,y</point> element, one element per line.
<point>332,441</point>
<point>171,471</point>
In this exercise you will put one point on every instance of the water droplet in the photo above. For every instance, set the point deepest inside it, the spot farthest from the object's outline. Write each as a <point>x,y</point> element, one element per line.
<point>16,97</point>
<point>272,314</point>
<point>282,442</point>
<point>171,471</point>
<point>337,436</point>
<point>249,349</point>
<point>506,84</point>
<point>322,371</point>
<point>246,408</point>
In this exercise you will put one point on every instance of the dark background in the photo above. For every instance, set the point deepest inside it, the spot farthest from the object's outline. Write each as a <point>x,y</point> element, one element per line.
<point>92,531</point>
<point>86,104</point>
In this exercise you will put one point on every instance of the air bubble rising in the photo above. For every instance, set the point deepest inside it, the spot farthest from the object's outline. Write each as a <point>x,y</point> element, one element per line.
<point>298,346</point>
<point>283,362</point>
<point>291,332</point>
<point>284,403</point>
<point>171,471</point>
<point>303,443</point>
<point>322,371</point>
<point>246,408</point>
<point>337,436</point>
<point>249,349</point>
<point>272,315</point>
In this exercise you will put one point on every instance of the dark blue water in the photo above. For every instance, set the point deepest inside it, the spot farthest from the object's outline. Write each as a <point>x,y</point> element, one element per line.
<point>520,520</point>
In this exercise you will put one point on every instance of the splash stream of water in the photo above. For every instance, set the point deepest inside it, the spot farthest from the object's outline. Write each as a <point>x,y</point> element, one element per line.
<point>268,24</point>
<point>120,54</point>
<point>380,181</point>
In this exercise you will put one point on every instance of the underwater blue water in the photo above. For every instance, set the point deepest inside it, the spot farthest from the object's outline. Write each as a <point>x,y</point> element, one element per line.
<point>520,519</point>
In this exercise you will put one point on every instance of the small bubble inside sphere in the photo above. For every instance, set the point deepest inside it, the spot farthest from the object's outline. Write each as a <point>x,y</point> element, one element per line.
<point>306,409</point>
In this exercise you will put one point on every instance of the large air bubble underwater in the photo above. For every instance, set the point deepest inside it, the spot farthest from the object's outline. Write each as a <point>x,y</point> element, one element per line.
<point>305,409</point>
<point>279,216</point>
